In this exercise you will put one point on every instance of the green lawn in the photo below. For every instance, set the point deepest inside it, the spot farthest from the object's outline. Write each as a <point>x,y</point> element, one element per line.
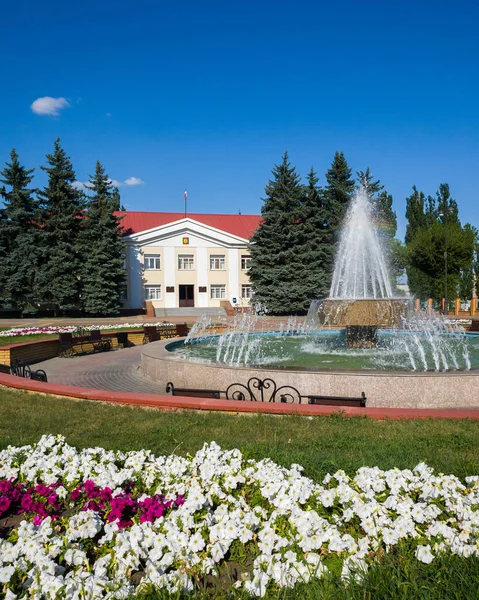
<point>20,339</point>
<point>320,444</point>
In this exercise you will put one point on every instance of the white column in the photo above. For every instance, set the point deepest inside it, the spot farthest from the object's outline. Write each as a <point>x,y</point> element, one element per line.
<point>233,276</point>
<point>169,263</point>
<point>202,277</point>
<point>136,284</point>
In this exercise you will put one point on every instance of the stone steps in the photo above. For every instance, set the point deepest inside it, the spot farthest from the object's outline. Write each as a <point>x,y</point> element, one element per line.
<point>189,312</point>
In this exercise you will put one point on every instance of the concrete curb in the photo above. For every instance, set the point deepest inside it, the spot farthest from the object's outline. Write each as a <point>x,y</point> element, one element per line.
<point>169,403</point>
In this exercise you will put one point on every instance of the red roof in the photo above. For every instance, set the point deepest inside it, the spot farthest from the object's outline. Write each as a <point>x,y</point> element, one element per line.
<point>242,226</point>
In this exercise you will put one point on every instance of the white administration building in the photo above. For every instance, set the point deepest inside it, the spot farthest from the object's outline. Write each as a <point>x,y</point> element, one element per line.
<point>181,262</point>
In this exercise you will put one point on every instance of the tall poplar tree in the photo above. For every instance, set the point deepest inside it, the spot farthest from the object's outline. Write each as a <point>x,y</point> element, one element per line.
<point>61,219</point>
<point>434,227</point>
<point>17,237</point>
<point>103,274</point>
<point>277,271</point>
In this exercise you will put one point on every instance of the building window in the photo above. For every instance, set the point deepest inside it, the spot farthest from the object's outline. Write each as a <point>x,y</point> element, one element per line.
<point>152,262</point>
<point>217,262</point>
<point>218,292</point>
<point>246,292</point>
<point>152,292</point>
<point>186,262</point>
<point>245,262</point>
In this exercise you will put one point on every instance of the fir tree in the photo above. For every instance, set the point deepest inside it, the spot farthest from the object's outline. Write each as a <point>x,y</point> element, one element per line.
<point>338,192</point>
<point>277,271</point>
<point>17,237</point>
<point>103,273</point>
<point>372,187</point>
<point>61,220</point>
<point>313,241</point>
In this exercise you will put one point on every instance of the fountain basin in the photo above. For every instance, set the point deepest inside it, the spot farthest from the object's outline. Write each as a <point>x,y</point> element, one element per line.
<point>379,312</point>
<point>458,389</point>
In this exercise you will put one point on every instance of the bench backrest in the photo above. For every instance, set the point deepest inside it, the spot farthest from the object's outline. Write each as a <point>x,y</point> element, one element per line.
<point>66,338</point>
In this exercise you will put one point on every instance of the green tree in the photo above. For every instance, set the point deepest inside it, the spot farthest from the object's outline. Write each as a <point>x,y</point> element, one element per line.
<point>17,237</point>
<point>338,193</point>
<point>103,274</point>
<point>426,253</point>
<point>61,220</point>
<point>312,242</point>
<point>419,213</point>
<point>433,227</point>
<point>366,179</point>
<point>277,272</point>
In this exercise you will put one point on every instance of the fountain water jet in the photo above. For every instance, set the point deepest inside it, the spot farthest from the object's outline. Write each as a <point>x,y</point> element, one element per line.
<point>361,296</point>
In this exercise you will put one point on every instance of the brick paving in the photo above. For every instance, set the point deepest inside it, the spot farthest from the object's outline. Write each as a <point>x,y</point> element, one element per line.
<point>117,370</point>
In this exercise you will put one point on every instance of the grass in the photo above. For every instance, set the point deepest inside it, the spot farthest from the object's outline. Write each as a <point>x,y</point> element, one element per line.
<point>396,577</point>
<point>20,339</point>
<point>320,444</point>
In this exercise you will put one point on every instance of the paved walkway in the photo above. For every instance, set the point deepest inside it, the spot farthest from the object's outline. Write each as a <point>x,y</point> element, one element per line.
<point>117,370</point>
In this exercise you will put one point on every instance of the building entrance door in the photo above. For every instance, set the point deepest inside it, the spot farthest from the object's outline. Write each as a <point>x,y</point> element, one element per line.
<point>187,295</point>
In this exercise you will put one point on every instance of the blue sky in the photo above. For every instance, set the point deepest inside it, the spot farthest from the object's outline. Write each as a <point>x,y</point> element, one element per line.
<point>208,95</point>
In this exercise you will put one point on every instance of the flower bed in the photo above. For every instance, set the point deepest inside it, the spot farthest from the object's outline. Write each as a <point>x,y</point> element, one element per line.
<point>96,523</point>
<point>17,331</point>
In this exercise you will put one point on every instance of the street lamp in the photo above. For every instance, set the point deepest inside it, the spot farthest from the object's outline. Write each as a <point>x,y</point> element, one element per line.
<point>444,215</point>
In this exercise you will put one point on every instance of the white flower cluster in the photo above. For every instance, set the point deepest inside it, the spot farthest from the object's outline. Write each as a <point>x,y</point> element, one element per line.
<point>283,527</point>
<point>15,331</point>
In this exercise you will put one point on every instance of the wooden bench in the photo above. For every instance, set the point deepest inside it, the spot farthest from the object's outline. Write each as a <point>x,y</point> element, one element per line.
<point>193,392</point>
<point>152,334</point>
<point>338,400</point>
<point>21,369</point>
<point>266,390</point>
<point>82,342</point>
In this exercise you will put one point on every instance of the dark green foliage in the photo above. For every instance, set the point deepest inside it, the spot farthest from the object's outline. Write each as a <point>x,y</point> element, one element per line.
<point>277,272</point>
<point>434,226</point>
<point>61,219</point>
<point>18,233</point>
<point>365,178</point>
<point>312,241</point>
<point>338,192</point>
<point>102,273</point>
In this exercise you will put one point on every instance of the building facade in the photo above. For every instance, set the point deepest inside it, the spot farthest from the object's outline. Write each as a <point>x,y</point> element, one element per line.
<point>184,262</point>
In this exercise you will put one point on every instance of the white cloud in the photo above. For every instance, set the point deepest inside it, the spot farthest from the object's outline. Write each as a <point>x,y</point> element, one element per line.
<point>85,185</point>
<point>49,106</point>
<point>80,185</point>
<point>133,181</point>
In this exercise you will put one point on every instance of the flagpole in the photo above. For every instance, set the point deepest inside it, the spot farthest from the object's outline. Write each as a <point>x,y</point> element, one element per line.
<point>185,197</point>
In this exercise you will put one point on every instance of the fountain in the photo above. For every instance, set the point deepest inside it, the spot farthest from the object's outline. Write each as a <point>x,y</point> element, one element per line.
<point>363,337</point>
<point>361,296</point>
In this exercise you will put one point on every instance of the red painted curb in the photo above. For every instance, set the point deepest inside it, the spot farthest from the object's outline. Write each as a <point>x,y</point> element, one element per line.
<point>166,402</point>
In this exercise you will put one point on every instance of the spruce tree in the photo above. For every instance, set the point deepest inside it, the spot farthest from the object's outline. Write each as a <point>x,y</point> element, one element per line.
<point>338,192</point>
<point>277,271</point>
<point>17,238</point>
<point>365,178</point>
<point>103,273</point>
<point>61,219</point>
<point>313,242</point>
